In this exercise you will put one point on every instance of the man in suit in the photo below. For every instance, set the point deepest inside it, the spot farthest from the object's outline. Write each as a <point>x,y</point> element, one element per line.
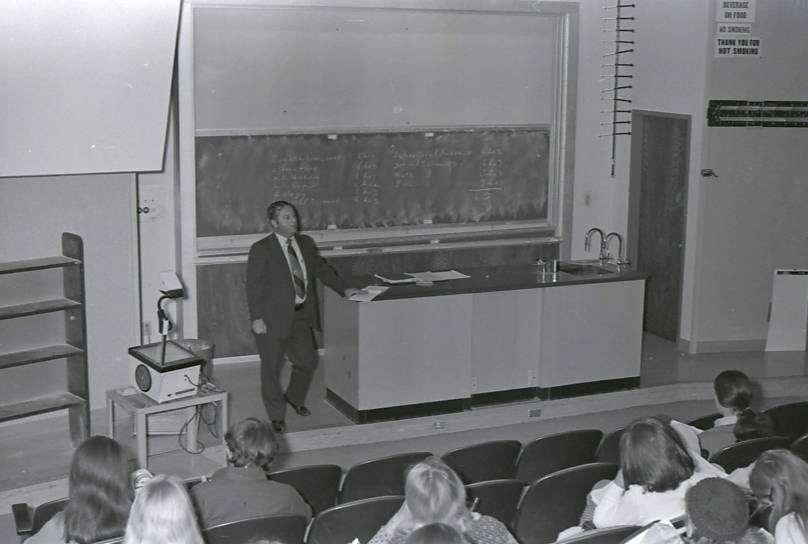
<point>282,299</point>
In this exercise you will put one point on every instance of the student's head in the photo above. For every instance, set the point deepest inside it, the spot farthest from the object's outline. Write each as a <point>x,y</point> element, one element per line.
<point>162,514</point>
<point>434,493</point>
<point>653,456</point>
<point>283,217</point>
<point>251,441</point>
<point>752,424</point>
<point>780,478</point>
<point>717,510</point>
<point>733,392</point>
<point>435,533</point>
<point>100,491</point>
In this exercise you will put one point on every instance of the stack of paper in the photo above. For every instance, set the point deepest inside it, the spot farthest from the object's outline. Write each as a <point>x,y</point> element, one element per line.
<point>395,278</point>
<point>438,276</point>
<point>369,293</point>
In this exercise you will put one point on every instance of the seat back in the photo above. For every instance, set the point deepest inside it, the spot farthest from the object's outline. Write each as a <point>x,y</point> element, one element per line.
<point>378,477</point>
<point>45,511</point>
<point>609,448</point>
<point>555,502</point>
<point>744,453</point>
<point>704,422</point>
<point>790,420</point>
<point>358,519</point>
<point>496,498</point>
<point>288,529</point>
<point>800,447</point>
<point>317,484</point>
<point>552,453</point>
<point>493,460</point>
<point>608,535</point>
<point>191,482</point>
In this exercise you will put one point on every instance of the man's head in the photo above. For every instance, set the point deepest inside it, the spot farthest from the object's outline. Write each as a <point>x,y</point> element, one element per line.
<point>251,442</point>
<point>282,216</point>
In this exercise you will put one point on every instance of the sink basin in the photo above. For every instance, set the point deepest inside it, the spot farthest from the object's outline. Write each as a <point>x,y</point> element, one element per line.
<point>582,269</point>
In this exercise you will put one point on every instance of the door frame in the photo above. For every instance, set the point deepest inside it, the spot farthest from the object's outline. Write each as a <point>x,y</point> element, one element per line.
<point>638,117</point>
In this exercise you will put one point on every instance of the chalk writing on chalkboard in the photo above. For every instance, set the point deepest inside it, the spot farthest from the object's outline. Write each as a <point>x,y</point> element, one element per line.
<point>374,180</point>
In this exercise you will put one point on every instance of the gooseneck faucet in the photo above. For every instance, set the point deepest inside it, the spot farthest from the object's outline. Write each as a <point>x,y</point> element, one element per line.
<point>621,260</point>
<point>604,247</point>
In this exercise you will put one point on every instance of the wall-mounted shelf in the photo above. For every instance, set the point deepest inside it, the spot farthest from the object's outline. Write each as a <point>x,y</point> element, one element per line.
<point>73,349</point>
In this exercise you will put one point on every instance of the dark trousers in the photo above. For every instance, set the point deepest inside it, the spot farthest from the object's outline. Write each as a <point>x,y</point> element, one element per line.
<point>299,347</point>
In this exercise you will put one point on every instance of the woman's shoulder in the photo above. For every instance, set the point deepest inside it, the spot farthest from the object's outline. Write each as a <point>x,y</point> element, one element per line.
<point>50,533</point>
<point>787,523</point>
<point>488,530</point>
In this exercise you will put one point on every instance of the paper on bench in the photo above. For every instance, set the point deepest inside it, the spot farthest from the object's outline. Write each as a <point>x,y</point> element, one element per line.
<point>368,293</point>
<point>438,276</point>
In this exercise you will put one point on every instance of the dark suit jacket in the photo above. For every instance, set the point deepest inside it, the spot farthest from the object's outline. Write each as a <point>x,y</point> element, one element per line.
<point>233,494</point>
<point>270,292</point>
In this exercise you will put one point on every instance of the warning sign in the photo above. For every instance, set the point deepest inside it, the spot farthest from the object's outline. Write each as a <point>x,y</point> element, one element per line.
<point>730,47</point>
<point>733,29</point>
<point>735,11</point>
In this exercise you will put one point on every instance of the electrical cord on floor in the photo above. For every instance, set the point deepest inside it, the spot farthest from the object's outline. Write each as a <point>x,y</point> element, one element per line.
<point>184,430</point>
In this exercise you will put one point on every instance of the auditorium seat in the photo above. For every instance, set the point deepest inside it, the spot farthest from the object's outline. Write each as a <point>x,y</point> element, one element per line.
<point>496,498</point>
<point>191,482</point>
<point>556,501</point>
<point>790,420</point>
<point>800,447</point>
<point>288,529</point>
<point>360,519</point>
<point>29,520</point>
<point>704,422</point>
<point>744,453</point>
<point>377,477</point>
<point>317,484</point>
<point>493,460</point>
<point>555,452</point>
<point>607,535</point>
<point>609,449</point>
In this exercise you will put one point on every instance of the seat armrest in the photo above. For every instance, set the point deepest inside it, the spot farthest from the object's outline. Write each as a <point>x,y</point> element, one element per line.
<point>23,520</point>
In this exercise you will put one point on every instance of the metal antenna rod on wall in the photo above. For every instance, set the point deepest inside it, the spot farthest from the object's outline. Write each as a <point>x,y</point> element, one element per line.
<point>621,47</point>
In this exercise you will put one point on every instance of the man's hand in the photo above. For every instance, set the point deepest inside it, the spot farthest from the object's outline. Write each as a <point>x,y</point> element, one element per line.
<point>351,291</point>
<point>259,327</point>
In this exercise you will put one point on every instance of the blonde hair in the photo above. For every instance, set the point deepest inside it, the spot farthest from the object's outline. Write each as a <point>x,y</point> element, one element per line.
<point>162,514</point>
<point>433,493</point>
<point>780,478</point>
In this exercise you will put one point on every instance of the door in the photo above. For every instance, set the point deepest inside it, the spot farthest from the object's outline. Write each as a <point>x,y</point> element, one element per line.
<point>660,147</point>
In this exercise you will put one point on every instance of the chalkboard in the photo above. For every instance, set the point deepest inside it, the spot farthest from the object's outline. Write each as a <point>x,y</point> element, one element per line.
<point>372,180</point>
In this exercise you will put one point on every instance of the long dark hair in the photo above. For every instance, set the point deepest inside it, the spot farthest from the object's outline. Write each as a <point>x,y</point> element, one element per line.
<point>753,424</point>
<point>653,456</point>
<point>100,492</point>
<point>733,390</point>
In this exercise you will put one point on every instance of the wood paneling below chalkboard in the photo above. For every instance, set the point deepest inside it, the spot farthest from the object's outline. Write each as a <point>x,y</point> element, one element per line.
<point>373,180</point>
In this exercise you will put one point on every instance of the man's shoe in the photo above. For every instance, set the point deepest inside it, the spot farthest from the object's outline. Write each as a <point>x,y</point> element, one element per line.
<point>300,410</point>
<point>279,426</point>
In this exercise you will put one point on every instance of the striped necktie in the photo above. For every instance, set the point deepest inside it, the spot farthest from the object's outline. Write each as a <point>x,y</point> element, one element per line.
<point>297,271</point>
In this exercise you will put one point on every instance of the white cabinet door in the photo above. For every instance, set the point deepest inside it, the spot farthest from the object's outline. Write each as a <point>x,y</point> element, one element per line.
<point>505,340</point>
<point>591,332</point>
